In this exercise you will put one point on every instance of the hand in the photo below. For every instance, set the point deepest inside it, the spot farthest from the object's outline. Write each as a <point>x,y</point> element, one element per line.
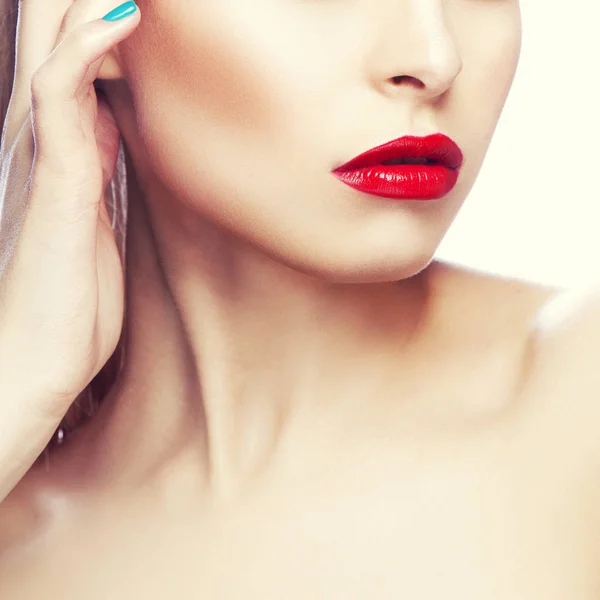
<point>61,278</point>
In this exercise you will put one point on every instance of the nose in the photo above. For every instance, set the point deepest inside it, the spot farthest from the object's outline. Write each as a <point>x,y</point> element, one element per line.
<point>412,51</point>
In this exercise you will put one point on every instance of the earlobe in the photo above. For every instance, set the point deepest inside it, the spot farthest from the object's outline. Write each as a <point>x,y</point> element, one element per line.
<point>111,67</point>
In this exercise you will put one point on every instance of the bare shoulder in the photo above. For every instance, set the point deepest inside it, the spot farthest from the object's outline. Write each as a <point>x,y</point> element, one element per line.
<point>565,344</point>
<point>559,329</point>
<point>497,305</point>
<point>561,325</point>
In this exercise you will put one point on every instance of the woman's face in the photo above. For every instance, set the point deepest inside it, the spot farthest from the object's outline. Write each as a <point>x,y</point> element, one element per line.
<point>246,106</point>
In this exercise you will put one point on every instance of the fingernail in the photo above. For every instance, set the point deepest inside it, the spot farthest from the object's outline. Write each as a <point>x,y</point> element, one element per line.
<point>122,11</point>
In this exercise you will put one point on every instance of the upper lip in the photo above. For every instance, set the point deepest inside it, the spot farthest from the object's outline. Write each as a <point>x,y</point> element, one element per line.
<point>437,147</point>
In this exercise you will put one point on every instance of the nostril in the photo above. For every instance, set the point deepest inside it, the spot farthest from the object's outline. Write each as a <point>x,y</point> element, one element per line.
<point>402,78</point>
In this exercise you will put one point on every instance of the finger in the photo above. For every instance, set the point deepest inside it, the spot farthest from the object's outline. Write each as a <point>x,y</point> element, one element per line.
<point>38,25</point>
<point>60,86</point>
<point>41,26</point>
<point>81,11</point>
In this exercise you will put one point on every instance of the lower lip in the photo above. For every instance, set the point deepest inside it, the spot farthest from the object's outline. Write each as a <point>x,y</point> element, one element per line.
<point>402,182</point>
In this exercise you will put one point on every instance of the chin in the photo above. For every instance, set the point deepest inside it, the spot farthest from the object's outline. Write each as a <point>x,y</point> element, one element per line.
<point>366,268</point>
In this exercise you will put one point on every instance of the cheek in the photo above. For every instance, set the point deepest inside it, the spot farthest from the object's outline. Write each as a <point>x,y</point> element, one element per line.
<point>183,65</point>
<point>208,89</point>
<point>490,54</point>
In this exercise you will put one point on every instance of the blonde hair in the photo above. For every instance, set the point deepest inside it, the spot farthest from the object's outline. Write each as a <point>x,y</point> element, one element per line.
<point>90,398</point>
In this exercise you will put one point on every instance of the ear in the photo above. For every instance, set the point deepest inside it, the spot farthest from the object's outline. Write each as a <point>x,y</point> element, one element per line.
<point>111,67</point>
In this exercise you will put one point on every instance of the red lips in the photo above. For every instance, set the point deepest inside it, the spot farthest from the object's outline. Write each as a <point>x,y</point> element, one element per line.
<point>409,168</point>
<point>438,148</point>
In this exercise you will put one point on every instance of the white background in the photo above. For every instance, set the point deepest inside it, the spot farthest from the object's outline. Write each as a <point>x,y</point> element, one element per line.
<point>534,211</point>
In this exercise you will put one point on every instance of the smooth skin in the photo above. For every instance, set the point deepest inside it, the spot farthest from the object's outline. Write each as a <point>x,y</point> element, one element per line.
<point>311,406</point>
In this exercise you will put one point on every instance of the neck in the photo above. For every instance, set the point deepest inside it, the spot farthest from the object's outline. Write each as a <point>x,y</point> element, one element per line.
<point>228,350</point>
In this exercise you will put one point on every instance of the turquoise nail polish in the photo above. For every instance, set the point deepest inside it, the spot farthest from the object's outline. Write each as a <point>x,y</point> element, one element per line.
<point>122,11</point>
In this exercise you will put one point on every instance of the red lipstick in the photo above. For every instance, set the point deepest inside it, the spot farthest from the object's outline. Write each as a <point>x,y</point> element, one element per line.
<point>409,168</point>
